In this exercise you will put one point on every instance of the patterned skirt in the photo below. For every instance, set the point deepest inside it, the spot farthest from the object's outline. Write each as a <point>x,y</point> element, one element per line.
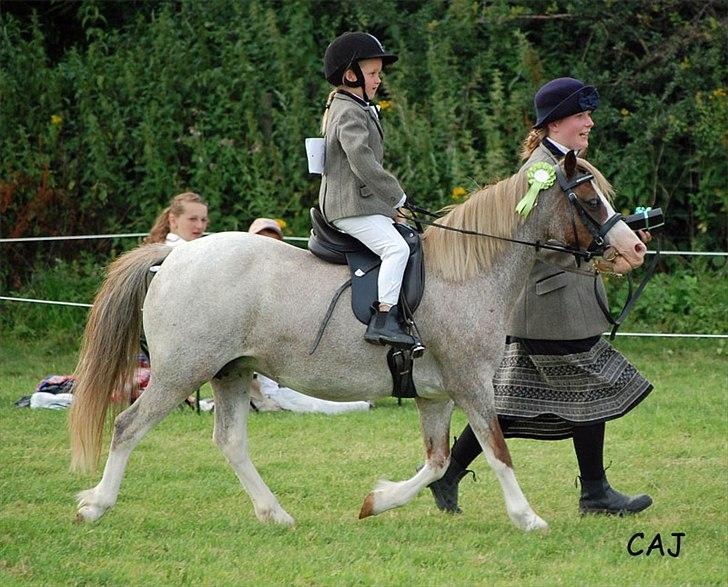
<point>544,396</point>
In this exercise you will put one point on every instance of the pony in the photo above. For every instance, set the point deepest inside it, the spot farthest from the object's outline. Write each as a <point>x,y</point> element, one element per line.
<point>224,306</point>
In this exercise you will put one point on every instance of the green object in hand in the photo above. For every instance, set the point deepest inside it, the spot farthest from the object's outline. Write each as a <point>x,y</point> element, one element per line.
<point>541,176</point>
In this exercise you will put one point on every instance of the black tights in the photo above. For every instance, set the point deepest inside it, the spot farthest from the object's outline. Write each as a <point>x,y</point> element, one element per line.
<point>588,446</point>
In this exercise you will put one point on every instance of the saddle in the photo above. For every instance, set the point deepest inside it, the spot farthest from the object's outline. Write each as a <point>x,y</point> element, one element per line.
<point>334,246</point>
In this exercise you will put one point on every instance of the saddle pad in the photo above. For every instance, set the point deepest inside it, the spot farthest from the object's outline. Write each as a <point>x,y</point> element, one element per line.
<point>364,269</point>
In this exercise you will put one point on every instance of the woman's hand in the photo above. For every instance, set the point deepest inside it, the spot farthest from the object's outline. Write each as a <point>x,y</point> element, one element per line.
<point>644,236</point>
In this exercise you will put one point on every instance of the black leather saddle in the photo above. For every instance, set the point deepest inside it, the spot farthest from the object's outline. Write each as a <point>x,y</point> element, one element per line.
<point>334,246</point>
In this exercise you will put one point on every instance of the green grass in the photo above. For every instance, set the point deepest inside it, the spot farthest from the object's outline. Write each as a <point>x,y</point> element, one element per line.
<point>182,517</point>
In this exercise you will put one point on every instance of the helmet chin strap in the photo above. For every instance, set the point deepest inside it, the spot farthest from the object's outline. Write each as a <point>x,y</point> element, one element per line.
<point>359,83</point>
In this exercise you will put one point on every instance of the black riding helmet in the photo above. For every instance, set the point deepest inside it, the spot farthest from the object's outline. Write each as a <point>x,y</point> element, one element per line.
<point>346,51</point>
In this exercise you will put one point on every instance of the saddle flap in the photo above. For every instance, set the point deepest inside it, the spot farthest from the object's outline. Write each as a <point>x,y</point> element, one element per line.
<point>364,268</point>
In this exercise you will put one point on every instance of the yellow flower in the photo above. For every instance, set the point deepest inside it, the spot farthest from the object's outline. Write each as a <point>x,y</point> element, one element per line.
<point>385,104</point>
<point>56,120</point>
<point>718,93</point>
<point>282,223</point>
<point>458,192</point>
<point>624,112</point>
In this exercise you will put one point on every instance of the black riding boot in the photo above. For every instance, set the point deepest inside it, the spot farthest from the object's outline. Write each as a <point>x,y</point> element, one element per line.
<point>385,328</point>
<point>597,497</point>
<point>445,490</point>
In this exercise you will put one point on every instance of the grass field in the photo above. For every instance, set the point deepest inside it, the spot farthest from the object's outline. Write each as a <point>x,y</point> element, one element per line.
<point>182,517</point>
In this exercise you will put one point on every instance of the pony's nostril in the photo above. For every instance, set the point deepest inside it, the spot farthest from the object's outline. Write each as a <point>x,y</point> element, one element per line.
<point>640,248</point>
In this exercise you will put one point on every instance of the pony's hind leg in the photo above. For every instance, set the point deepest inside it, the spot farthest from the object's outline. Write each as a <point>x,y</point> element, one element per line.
<point>490,436</point>
<point>129,428</point>
<point>435,424</point>
<point>232,403</point>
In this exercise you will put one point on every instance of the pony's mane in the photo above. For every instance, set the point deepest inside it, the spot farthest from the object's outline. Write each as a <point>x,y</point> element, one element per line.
<point>457,257</point>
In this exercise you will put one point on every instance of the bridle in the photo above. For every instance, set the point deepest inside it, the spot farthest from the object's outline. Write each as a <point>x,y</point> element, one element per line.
<point>598,231</point>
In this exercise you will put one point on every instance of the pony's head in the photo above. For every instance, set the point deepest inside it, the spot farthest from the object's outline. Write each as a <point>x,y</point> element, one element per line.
<point>570,216</point>
<point>583,217</point>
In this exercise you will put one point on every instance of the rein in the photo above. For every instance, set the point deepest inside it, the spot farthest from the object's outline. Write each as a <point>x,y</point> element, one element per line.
<point>596,248</point>
<point>578,253</point>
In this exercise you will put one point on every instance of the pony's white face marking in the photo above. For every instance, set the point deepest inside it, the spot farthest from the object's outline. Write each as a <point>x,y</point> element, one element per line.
<point>625,251</point>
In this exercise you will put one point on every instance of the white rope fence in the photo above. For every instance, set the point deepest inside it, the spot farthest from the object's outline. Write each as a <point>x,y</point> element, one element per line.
<point>34,239</point>
<point>303,238</point>
<point>52,302</point>
<point>286,238</point>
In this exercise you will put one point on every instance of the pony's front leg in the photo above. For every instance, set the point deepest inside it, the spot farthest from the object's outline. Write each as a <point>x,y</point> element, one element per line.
<point>435,424</point>
<point>489,434</point>
<point>232,403</point>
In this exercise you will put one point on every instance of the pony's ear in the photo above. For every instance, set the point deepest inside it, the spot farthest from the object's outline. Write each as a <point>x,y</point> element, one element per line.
<point>570,164</point>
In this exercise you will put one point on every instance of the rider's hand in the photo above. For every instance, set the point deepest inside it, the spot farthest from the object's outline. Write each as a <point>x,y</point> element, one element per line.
<point>400,217</point>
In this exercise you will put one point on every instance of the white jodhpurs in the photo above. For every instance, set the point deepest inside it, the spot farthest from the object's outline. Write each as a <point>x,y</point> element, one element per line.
<point>377,232</point>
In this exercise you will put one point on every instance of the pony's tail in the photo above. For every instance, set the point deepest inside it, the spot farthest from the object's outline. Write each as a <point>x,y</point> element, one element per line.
<point>109,352</point>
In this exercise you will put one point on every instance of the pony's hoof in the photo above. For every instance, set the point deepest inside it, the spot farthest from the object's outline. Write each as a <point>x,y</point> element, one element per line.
<point>88,513</point>
<point>367,508</point>
<point>537,524</point>
<point>88,510</point>
<point>279,516</point>
<point>529,522</point>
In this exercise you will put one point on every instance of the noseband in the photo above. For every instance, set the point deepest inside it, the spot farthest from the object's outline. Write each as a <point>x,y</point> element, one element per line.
<point>598,245</point>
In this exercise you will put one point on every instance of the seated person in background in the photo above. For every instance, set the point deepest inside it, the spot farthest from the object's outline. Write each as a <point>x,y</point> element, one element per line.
<point>265,394</point>
<point>185,219</point>
<point>266,227</point>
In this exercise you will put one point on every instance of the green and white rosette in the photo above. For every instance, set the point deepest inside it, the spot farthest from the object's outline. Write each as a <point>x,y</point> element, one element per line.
<point>541,176</point>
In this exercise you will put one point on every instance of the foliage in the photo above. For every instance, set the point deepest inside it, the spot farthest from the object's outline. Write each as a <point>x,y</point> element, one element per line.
<point>140,104</point>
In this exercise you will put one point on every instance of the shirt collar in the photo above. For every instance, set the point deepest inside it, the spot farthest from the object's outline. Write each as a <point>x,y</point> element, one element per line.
<point>354,97</point>
<point>560,147</point>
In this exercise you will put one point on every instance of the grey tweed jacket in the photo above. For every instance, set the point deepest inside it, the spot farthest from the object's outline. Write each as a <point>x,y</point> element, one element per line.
<point>556,305</point>
<point>354,182</point>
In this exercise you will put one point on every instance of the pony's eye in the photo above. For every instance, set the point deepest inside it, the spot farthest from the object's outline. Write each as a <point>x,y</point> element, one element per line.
<point>593,203</point>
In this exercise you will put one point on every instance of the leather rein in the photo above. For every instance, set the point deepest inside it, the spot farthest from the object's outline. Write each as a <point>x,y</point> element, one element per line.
<point>596,248</point>
<point>598,231</point>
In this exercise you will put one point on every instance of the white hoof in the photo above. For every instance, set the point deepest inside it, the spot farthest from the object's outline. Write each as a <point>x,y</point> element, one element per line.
<point>88,511</point>
<point>277,516</point>
<point>528,521</point>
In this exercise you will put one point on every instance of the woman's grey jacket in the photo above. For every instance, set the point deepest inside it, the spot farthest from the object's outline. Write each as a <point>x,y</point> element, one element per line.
<point>354,182</point>
<point>556,305</point>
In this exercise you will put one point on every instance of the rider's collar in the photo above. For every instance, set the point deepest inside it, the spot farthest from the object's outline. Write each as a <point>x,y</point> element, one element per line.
<point>556,148</point>
<point>356,98</point>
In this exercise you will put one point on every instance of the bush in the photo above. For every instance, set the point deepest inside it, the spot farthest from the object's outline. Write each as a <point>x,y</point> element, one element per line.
<point>99,130</point>
<point>74,281</point>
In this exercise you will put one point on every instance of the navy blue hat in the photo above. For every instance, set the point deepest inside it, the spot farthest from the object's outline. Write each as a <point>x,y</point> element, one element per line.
<point>563,97</point>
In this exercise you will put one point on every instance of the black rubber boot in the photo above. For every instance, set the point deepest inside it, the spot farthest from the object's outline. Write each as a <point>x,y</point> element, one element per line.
<point>445,490</point>
<point>385,328</point>
<point>597,497</point>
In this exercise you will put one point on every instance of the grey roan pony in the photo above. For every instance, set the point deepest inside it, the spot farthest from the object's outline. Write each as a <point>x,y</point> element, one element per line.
<point>229,304</point>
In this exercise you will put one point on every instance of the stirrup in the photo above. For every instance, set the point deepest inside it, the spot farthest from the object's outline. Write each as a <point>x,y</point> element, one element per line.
<point>418,349</point>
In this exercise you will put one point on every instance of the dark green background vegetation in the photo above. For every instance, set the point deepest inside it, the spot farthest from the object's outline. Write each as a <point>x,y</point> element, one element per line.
<point>107,109</point>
